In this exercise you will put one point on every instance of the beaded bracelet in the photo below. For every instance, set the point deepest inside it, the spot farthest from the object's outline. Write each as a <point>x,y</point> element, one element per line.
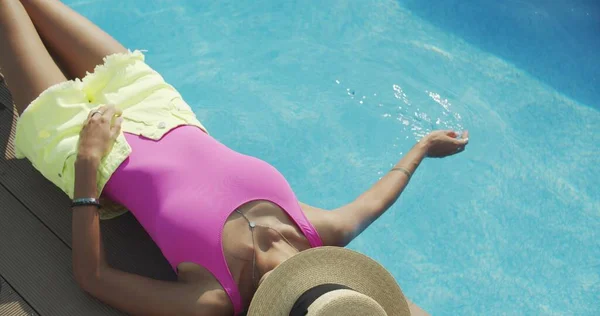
<point>85,202</point>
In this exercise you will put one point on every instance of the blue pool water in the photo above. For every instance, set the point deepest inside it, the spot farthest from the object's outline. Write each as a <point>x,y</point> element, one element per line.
<point>333,92</point>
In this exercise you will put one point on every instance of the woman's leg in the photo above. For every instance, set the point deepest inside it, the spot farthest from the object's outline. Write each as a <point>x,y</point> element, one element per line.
<point>78,43</point>
<point>24,61</point>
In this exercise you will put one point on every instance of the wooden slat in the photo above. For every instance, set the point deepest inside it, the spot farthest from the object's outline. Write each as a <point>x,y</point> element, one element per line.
<point>5,98</point>
<point>38,264</point>
<point>11,303</point>
<point>7,121</point>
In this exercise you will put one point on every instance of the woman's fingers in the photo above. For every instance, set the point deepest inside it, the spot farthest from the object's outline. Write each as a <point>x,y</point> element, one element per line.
<point>115,129</point>
<point>110,111</point>
<point>94,114</point>
<point>451,133</point>
<point>463,140</point>
<point>102,109</point>
<point>459,142</point>
<point>464,134</point>
<point>105,113</point>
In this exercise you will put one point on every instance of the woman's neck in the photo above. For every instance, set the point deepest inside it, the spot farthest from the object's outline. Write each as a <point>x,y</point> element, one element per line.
<point>253,252</point>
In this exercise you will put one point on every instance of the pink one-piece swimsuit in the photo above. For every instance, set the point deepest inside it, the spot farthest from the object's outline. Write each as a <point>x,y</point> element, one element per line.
<point>183,188</point>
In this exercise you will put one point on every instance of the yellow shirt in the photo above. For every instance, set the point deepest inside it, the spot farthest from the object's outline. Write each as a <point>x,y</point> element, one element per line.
<point>48,130</point>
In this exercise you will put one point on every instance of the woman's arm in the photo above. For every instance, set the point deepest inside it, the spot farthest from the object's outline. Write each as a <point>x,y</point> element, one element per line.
<point>340,226</point>
<point>128,292</point>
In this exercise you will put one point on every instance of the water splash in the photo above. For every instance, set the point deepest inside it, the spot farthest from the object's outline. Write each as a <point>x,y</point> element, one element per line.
<point>450,119</point>
<point>415,122</point>
<point>399,94</point>
<point>442,102</point>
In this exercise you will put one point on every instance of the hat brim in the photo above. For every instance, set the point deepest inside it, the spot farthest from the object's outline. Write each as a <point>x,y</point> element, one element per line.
<point>279,291</point>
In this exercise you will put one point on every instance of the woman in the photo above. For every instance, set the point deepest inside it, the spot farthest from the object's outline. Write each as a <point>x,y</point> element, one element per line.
<point>228,224</point>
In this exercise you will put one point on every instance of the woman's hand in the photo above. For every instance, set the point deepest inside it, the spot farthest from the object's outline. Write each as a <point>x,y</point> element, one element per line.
<point>99,133</point>
<point>445,143</point>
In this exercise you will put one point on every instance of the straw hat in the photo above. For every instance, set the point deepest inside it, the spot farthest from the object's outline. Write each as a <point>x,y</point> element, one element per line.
<point>329,281</point>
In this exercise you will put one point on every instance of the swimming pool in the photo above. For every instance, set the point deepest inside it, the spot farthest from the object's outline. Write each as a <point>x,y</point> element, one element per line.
<point>333,92</point>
